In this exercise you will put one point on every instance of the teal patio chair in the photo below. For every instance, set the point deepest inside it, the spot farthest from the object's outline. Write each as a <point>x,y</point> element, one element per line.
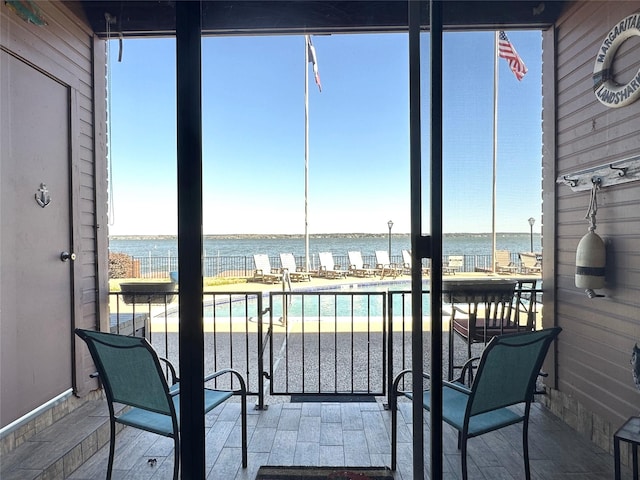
<point>132,375</point>
<point>505,378</point>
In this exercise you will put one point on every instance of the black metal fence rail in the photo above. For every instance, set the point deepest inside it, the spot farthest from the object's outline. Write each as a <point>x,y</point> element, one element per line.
<point>244,266</point>
<point>236,334</point>
<point>328,343</point>
<point>526,309</point>
<point>297,343</point>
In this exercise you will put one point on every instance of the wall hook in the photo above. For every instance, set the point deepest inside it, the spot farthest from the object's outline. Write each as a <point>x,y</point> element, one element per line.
<point>622,171</point>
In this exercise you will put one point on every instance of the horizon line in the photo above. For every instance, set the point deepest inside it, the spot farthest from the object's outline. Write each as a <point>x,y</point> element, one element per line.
<point>284,235</point>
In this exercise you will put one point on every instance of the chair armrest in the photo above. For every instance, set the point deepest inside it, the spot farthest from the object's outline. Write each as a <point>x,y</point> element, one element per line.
<point>456,386</point>
<point>394,389</point>
<point>172,369</point>
<point>456,308</point>
<point>468,365</point>
<point>243,386</point>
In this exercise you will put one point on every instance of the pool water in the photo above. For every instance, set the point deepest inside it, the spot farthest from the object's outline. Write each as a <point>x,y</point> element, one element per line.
<point>362,301</point>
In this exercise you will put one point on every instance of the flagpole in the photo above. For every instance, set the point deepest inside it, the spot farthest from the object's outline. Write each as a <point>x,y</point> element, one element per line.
<point>306,152</point>
<point>495,151</point>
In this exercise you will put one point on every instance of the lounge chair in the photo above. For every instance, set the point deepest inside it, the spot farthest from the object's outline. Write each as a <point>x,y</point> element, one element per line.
<point>357,267</point>
<point>504,263</point>
<point>384,267</point>
<point>506,377</point>
<point>530,263</point>
<point>480,310</point>
<point>328,268</point>
<point>406,264</point>
<point>289,267</point>
<point>132,376</point>
<point>263,272</point>
<point>453,265</point>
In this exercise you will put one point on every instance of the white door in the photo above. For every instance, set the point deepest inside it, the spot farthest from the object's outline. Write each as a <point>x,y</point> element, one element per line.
<point>35,211</point>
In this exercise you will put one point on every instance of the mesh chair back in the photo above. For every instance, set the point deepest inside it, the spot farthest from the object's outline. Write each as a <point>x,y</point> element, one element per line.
<point>494,297</point>
<point>382,257</point>
<point>508,370</point>
<point>262,262</point>
<point>129,370</point>
<point>355,259</point>
<point>288,261</point>
<point>326,260</point>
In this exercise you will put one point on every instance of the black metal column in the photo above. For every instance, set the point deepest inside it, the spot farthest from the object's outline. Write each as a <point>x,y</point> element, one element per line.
<point>189,154</point>
<point>415,153</point>
<point>436,231</point>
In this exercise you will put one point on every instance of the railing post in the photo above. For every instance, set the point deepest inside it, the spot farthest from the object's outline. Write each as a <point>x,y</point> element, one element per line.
<point>260,404</point>
<point>261,345</point>
<point>389,373</point>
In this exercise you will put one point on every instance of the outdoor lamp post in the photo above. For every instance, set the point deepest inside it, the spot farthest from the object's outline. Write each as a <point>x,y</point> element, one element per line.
<point>390,224</point>
<point>531,222</point>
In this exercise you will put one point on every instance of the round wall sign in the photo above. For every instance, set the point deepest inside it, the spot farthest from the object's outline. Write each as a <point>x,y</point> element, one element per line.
<point>607,90</point>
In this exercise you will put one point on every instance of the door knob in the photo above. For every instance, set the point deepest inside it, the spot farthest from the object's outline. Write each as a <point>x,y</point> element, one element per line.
<point>65,256</point>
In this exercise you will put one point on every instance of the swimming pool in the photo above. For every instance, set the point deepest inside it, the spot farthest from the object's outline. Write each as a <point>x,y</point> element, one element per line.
<point>363,300</point>
<point>352,301</point>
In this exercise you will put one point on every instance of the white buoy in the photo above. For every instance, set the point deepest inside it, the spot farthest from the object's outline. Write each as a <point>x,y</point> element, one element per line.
<point>590,263</point>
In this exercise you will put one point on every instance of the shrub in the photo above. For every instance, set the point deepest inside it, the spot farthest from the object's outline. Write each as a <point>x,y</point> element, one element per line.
<point>121,265</point>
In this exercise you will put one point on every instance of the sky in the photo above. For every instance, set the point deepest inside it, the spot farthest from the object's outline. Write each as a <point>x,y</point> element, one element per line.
<point>254,135</point>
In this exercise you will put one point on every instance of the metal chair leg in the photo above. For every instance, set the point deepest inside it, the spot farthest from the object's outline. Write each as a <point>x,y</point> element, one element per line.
<point>112,446</point>
<point>525,449</point>
<point>463,456</point>
<point>176,457</point>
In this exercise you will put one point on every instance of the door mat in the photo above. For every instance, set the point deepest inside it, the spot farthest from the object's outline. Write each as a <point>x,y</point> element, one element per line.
<point>331,397</point>
<point>324,473</point>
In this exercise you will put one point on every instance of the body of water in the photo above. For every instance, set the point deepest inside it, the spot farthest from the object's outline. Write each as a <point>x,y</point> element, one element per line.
<point>453,244</point>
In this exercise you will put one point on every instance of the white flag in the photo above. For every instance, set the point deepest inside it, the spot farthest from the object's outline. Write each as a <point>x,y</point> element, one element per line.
<point>314,61</point>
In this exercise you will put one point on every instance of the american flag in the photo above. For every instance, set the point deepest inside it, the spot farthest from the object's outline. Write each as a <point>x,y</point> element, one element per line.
<point>506,51</point>
<point>314,61</point>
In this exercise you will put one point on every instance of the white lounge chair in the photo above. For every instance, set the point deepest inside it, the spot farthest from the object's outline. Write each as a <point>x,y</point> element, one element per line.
<point>328,268</point>
<point>357,267</point>
<point>263,272</point>
<point>504,263</point>
<point>406,264</point>
<point>296,274</point>
<point>530,263</point>
<point>384,267</point>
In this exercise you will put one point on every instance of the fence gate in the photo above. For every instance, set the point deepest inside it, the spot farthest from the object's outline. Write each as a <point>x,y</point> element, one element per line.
<point>328,343</point>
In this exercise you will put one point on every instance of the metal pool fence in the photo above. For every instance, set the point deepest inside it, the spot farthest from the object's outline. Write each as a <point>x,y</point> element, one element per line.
<point>244,266</point>
<point>299,343</point>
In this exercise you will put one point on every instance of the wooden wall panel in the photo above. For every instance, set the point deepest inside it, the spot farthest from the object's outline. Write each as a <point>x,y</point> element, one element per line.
<point>594,349</point>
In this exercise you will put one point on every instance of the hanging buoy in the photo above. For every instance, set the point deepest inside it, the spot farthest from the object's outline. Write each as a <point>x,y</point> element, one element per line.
<point>590,263</point>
